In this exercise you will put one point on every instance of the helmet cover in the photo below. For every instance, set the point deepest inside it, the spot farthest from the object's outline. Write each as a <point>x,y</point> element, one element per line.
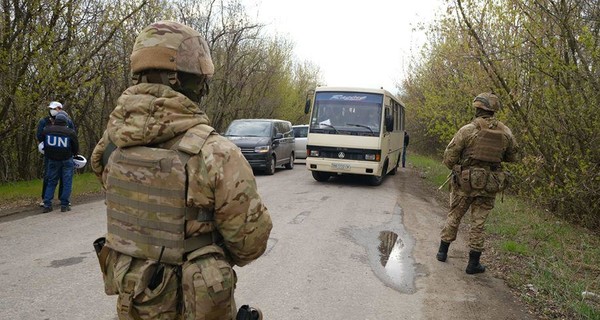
<point>487,101</point>
<point>171,46</point>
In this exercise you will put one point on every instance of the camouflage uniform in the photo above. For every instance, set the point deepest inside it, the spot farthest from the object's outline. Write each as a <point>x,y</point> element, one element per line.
<point>477,172</point>
<point>217,181</point>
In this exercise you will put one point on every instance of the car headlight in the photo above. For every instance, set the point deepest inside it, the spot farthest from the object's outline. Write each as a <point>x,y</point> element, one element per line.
<point>313,153</point>
<point>261,149</point>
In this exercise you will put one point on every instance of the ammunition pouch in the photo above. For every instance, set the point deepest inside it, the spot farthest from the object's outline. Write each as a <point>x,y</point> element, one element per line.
<point>479,177</point>
<point>208,281</point>
<point>497,181</point>
<point>482,179</point>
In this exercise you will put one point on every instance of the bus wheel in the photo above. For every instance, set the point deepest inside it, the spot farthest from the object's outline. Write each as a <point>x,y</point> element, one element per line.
<point>395,170</point>
<point>321,176</point>
<point>377,180</point>
<point>270,170</point>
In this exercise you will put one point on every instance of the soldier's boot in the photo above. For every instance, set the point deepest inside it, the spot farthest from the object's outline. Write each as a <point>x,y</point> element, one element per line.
<point>474,266</point>
<point>442,254</point>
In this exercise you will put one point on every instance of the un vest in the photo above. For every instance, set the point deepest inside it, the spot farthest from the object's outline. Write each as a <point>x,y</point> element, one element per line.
<point>488,144</point>
<point>146,190</point>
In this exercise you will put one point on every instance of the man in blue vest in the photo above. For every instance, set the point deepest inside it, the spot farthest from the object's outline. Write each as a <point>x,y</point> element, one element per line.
<point>60,145</point>
<point>54,108</point>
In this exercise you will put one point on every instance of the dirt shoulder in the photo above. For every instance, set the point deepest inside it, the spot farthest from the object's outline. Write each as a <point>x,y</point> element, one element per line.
<point>30,206</point>
<point>483,296</point>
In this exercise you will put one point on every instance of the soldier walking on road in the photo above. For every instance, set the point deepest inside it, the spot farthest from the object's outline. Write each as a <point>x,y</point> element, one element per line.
<point>474,155</point>
<point>182,202</point>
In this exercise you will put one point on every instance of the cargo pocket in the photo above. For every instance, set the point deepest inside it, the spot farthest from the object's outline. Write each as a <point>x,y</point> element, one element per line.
<point>208,282</point>
<point>479,177</point>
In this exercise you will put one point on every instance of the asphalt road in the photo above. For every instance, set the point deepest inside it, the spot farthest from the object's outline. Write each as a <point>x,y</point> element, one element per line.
<point>338,250</point>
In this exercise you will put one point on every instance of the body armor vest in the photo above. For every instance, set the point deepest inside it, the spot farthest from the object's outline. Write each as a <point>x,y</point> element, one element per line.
<point>146,191</point>
<point>488,144</point>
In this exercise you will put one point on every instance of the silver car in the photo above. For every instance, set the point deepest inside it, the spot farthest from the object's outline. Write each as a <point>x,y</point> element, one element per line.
<point>300,132</point>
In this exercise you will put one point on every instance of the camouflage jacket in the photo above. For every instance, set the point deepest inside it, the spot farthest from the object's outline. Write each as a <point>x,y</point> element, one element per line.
<point>219,177</point>
<point>464,138</point>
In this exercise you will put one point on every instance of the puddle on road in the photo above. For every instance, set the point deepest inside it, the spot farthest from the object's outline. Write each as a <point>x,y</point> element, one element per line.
<point>389,252</point>
<point>393,260</point>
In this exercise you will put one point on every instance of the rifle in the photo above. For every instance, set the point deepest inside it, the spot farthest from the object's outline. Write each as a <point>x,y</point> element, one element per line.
<point>447,179</point>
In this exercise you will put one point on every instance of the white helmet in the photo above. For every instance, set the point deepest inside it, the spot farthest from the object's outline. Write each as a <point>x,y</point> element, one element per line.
<point>79,161</point>
<point>41,147</point>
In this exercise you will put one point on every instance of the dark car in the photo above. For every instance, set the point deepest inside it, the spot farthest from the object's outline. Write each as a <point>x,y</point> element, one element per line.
<point>266,143</point>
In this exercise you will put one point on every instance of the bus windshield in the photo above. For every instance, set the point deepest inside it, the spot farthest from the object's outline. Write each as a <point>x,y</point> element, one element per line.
<point>352,113</point>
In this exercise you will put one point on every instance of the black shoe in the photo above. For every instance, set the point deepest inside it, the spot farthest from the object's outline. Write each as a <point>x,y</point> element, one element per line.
<point>474,266</point>
<point>442,254</point>
<point>47,209</point>
<point>65,208</point>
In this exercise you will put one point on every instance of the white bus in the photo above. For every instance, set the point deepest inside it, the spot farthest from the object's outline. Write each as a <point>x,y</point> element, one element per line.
<point>354,131</point>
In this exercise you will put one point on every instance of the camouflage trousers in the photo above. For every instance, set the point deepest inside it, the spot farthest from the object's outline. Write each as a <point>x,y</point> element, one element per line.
<point>480,209</point>
<point>201,289</point>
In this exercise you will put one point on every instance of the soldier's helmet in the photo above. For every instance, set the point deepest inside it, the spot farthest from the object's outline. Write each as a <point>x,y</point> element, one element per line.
<point>177,49</point>
<point>168,45</point>
<point>487,101</point>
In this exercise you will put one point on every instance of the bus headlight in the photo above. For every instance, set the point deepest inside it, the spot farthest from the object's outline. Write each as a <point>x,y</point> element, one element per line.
<point>372,157</point>
<point>314,153</point>
<point>261,149</point>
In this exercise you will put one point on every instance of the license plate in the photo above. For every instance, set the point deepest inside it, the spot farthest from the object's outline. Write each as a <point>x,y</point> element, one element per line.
<point>340,166</point>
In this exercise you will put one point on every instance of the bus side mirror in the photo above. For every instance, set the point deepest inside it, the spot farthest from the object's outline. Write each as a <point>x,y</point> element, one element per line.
<point>308,102</point>
<point>389,123</point>
<point>307,106</point>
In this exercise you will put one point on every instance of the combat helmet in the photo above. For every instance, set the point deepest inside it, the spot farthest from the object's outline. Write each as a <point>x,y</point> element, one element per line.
<point>487,101</point>
<point>175,53</point>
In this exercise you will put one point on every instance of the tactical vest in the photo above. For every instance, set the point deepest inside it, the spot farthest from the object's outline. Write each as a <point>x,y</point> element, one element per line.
<point>146,192</point>
<point>488,144</point>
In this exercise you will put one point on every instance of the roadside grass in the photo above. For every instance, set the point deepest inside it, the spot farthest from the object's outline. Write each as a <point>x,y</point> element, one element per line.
<point>552,265</point>
<point>29,192</point>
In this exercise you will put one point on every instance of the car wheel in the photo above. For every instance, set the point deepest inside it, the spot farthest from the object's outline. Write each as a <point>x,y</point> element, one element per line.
<point>290,165</point>
<point>321,176</point>
<point>270,170</point>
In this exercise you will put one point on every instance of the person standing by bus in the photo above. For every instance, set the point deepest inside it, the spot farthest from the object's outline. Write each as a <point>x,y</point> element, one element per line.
<point>475,155</point>
<point>406,141</point>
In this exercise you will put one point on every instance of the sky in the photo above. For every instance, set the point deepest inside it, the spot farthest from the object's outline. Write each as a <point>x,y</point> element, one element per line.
<point>358,43</point>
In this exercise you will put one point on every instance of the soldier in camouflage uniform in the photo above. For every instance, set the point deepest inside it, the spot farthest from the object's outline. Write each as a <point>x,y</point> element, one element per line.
<point>182,202</point>
<point>474,155</point>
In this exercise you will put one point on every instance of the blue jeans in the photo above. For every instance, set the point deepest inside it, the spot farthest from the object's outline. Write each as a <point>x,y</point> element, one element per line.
<point>403,156</point>
<point>63,170</point>
<point>45,181</point>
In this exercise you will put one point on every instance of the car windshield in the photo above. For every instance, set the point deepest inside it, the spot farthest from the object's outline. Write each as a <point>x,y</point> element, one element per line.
<point>249,129</point>
<point>300,132</point>
<point>352,113</point>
